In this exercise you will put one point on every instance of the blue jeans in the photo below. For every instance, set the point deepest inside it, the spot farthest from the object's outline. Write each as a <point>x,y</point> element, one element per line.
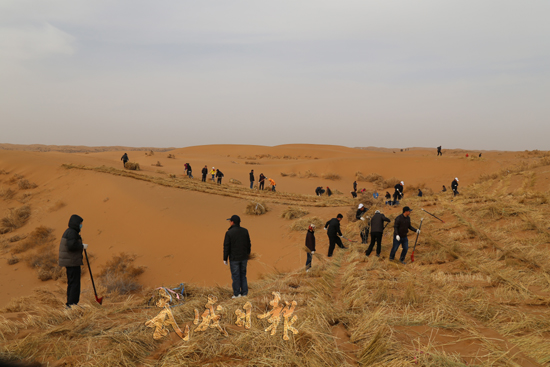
<point>238,274</point>
<point>405,243</point>
<point>308,260</point>
<point>251,184</point>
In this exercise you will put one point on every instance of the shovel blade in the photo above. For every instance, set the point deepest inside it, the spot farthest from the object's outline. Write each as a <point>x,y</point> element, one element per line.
<point>99,300</point>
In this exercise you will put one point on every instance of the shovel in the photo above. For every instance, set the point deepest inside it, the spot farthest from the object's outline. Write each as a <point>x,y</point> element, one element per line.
<point>100,299</point>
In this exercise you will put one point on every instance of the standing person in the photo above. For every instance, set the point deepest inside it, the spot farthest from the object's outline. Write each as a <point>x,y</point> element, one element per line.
<point>189,171</point>
<point>261,180</point>
<point>333,232</point>
<point>388,198</point>
<point>329,192</point>
<point>251,179</point>
<point>125,159</point>
<point>219,176</point>
<point>439,151</point>
<point>454,186</point>
<point>401,227</point>
<point>70,257</point>
<point>419,193</point>
<point>360,211</point>
<point>377,229</point>
<point>204,173</point>
<point>213,173</point>
<point>236,248</point>
<point>185,169</point>
<point>310,244</point>
<point>272,182</point>
<point>398,194</point>
<point>355,186</point>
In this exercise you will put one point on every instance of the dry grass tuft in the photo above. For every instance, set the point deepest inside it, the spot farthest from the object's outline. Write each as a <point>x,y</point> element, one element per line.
<point>133,166</point>
<point>302,224</point>
<point>235,181</point>
<point>119,275</point>
<point>24,184</point>
<point>256,208</point>
<point>291,174</point>
<point>293,213</point>
<point>16,218</point>
<point>373,177</point>
<point>4,172</point>
<point>58,205</point>
<point>158,164</point>
<point>331,176</point>
<point>377,347</point>
<point>307,174</point>
<point>37,238</point>
<point>171,156</point>
<point>13,260</point>
<point>412,190</point>
<point>7,194</point>
<point>17,237</point>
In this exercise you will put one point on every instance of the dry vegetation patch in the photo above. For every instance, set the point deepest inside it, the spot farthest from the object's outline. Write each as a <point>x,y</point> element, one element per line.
<point>24,184</point>
<point>119,275</point>
<point>15,219</point>
<point>256,208</point>
<point>303,223</point>
<point>7,194</point>
<point>132,166</point>
<point>293,213</point>
<point>331,176</point>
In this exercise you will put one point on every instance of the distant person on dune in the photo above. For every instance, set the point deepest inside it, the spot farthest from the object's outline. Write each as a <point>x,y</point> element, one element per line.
<point>454,186</point>
<point>398,194</point>
<point>261,181</point>
<point>333,231</point>
<point>70,257</point>
<point>419,193</point>
<point>319,191</point>
<point>213,173</point>
<point>355,186</point>
<point>204,173</point>
<point>219,176</point>
<point>329,192</point>
<point>236,249</point>
<point>272,182</point>
<point>124,159</point>
<point>251,179</point>
<point>353,194</point>
<point>439,151</point>
<point>377,229</point>
<point>444,189</point>
<point>310,244</point>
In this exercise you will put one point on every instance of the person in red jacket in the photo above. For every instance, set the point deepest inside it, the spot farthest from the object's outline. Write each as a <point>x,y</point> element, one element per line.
<point>310,244</point>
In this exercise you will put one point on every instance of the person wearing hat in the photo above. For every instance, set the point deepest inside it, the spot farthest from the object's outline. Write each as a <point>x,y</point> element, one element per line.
<point>360,211</point>
<point>236,249</point>
<point>377,229</point>
<point>213,173</point>
<point>204,173</point>
<point>398,194</point>
<point>310,244</point>
<point>333,231</point>
<point>401,227</point>
<point>454,186</point>
<point>251,179</point>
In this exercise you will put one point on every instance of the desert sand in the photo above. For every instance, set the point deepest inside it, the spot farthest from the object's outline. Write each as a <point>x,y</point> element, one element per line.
<point>176,233</point>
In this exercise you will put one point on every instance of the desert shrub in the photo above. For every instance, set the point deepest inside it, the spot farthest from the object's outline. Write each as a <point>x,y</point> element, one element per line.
<point>302,224</point>
<point>17,238</point>
<point>235,181</point>
<point>7,194</point>
<point>16,218</point>
<point>412,190</point>
<point>58,205</point>
<point>4,172</point>
<point>256,208</point>
<point>45,261</point>
<point>291,174</point>
<point>293,213</point>
<point>171,156</point>
<point>13,260</point>
<point>150,153</point>
<point>120,275</point>
<point>308,174</point>
<point>373,177</point>
<point>249,162</point>
<point>331,176</point>
<point>16,177</point>
<point>132,166</point>
<point>37,238</point>
<point>24,184</point>
<point>158,164</point>
<point>388,183</point>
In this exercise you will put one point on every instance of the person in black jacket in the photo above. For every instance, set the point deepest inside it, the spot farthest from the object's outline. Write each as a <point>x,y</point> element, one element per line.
<point>401,227</point>
<point>377,229</point>
<point>236,248</point>
<point>419,193</point>
<point>219,176</point>
<point>439,151</point>
<point>360,211</point>
<point>204,173</point>
<point>261,181</point>
<point>333,231</point>
<point>124,159</point>
<point>252,179</point>
<point>310,244</point>
<point>398,193</point>
<point>319,191</point>
<point>189,171</point>
<point>355,186</point>
<point>329,191</point>
<point>70,257</point>
<point>454,186</point>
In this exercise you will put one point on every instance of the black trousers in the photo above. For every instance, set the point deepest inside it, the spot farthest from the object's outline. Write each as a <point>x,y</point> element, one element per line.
<point>203,178</point>
<point>73,285</point>
<point>375,237</point>
<point>261,185</point>
<point>332,242</point>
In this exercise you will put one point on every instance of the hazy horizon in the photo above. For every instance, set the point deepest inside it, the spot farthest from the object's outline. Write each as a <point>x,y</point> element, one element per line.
<point>469,74</point>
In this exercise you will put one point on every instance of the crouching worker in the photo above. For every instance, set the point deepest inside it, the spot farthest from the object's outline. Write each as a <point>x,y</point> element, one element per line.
<point>236,248</point>
<point>319,191</point>
<point>310,244</point>
<point>70,257</point>
<point>333,231</point>
<point>401,227</point>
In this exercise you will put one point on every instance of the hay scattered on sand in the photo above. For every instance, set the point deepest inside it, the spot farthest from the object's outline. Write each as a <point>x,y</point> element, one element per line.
<point>158,164</point>
<point>235,181</point>
<point>256,208</point>
<point>172,156</point>
<point>291,174</point>
<point>58,205</point>
<point>119,275</point>
<point>7,194</point>
<point>293,212</point>
<point>302,224</point>
<point>331,176</point>
<point>15,218</point>
<point>24,184</point>
<point>307,174</point>
<point>132,166</point>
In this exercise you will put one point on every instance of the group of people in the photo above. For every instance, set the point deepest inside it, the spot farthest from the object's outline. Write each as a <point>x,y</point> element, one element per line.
<point>261,181</point>
<point>216,174</point>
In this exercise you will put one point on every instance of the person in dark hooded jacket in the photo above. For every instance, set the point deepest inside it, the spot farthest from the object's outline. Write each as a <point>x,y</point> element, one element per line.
<point>204,173</point>
<point>124,159</point>
<point>310,244</point>
<point>236,249</point>
<point>454,186</point>
<point>377,229</point>
<point>333,231</point>
<point>251,174</point>
<point>70,257</point>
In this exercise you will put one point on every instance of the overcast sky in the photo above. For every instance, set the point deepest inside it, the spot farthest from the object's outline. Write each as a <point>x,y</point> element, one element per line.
<point>463,74</point>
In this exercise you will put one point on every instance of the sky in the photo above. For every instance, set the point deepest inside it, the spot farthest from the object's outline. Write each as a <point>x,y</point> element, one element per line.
<point>462,74</point>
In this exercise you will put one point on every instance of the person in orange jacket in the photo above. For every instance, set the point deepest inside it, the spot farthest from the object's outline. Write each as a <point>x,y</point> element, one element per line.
<point>272,182</point>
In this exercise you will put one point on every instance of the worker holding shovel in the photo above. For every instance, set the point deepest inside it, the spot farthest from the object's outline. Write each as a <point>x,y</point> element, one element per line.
<point>402,225</point>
